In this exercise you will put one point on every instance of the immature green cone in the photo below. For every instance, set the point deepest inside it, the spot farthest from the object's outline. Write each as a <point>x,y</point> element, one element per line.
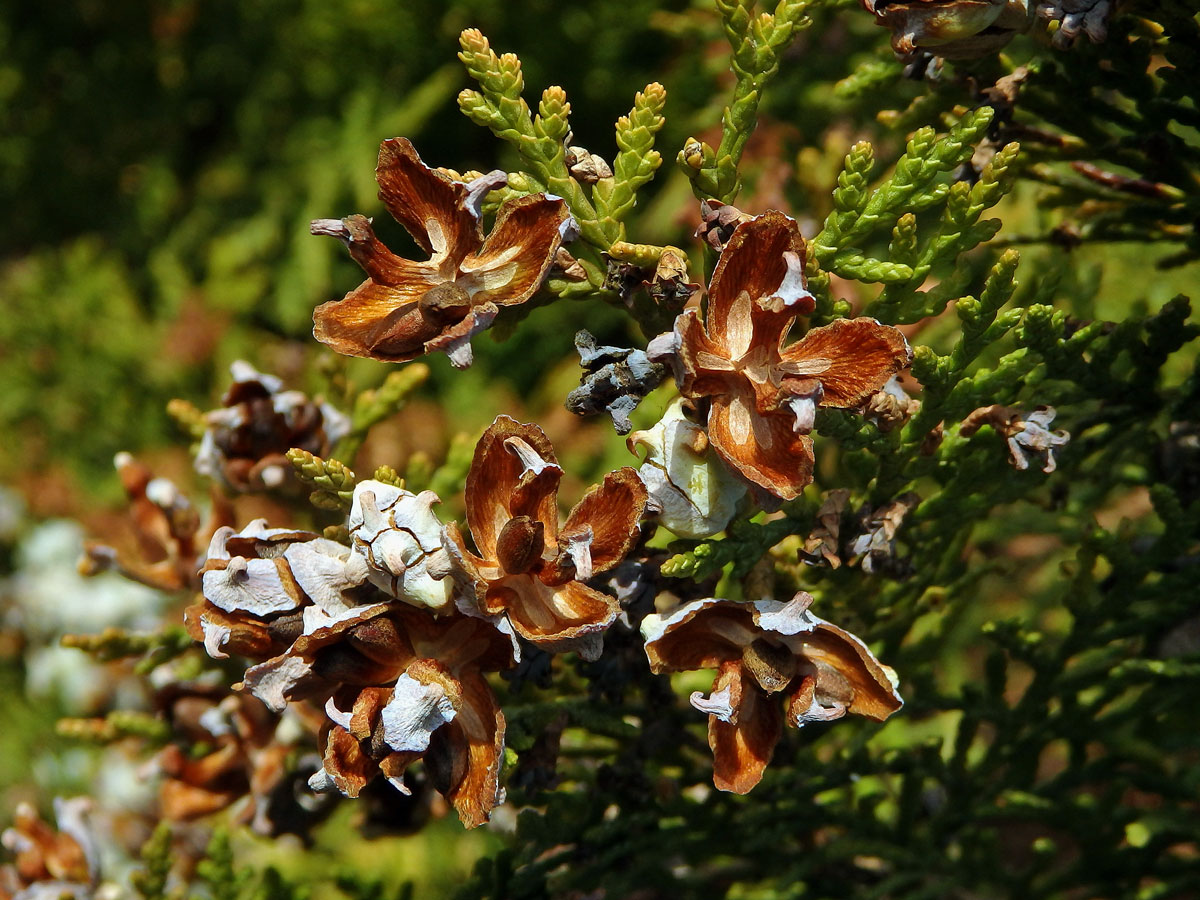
<point>400,537</point>
<point>692,492</point>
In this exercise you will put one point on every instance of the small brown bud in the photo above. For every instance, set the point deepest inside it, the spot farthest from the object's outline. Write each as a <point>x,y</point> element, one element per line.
<point>568,266</point>
<point>933,440</point>
<point>586,167</point>
<point>717,223</point>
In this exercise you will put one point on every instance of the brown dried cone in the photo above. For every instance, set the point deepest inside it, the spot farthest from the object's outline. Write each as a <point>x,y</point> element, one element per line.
<point>167,529</point>
<point>1027,434</point>
<point>824,542</point>
<point>890,406</point>
<point>624,278</point>
<point>761,650</point>
<point>245,442</point>
<point>400,685</point>
<point>243,760</point>
<point>525,566</point>
<point>405,308</point>
<point>764,394</point>
<point>953,29</point>
<point>669,287</point>
<point>718,221</point>
<point>50,863</point>
<point>875,546</point>
<point>259,582</point>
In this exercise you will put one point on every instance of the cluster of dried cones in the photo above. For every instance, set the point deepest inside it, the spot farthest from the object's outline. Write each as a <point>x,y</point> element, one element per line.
<point>758,393</point>
<point>393,633</point>
<point>385,635</point>
<point>50,863</point>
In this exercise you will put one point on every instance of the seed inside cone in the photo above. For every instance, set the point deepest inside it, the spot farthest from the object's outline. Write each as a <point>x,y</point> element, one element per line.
<point>520,545</point>
<point>771,665</point>
<point>445,301</point>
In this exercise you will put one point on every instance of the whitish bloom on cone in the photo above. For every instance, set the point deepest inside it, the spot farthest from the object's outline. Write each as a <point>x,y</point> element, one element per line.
<point>246,440</point>
<point>761,650</point>
<point>399,685</point>
<point>1077,17</point>
<point>400,537</point>
<point>258,582</point>
<point>1034,440</point>
<point>1028,434</point>
<point>691,491</point>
